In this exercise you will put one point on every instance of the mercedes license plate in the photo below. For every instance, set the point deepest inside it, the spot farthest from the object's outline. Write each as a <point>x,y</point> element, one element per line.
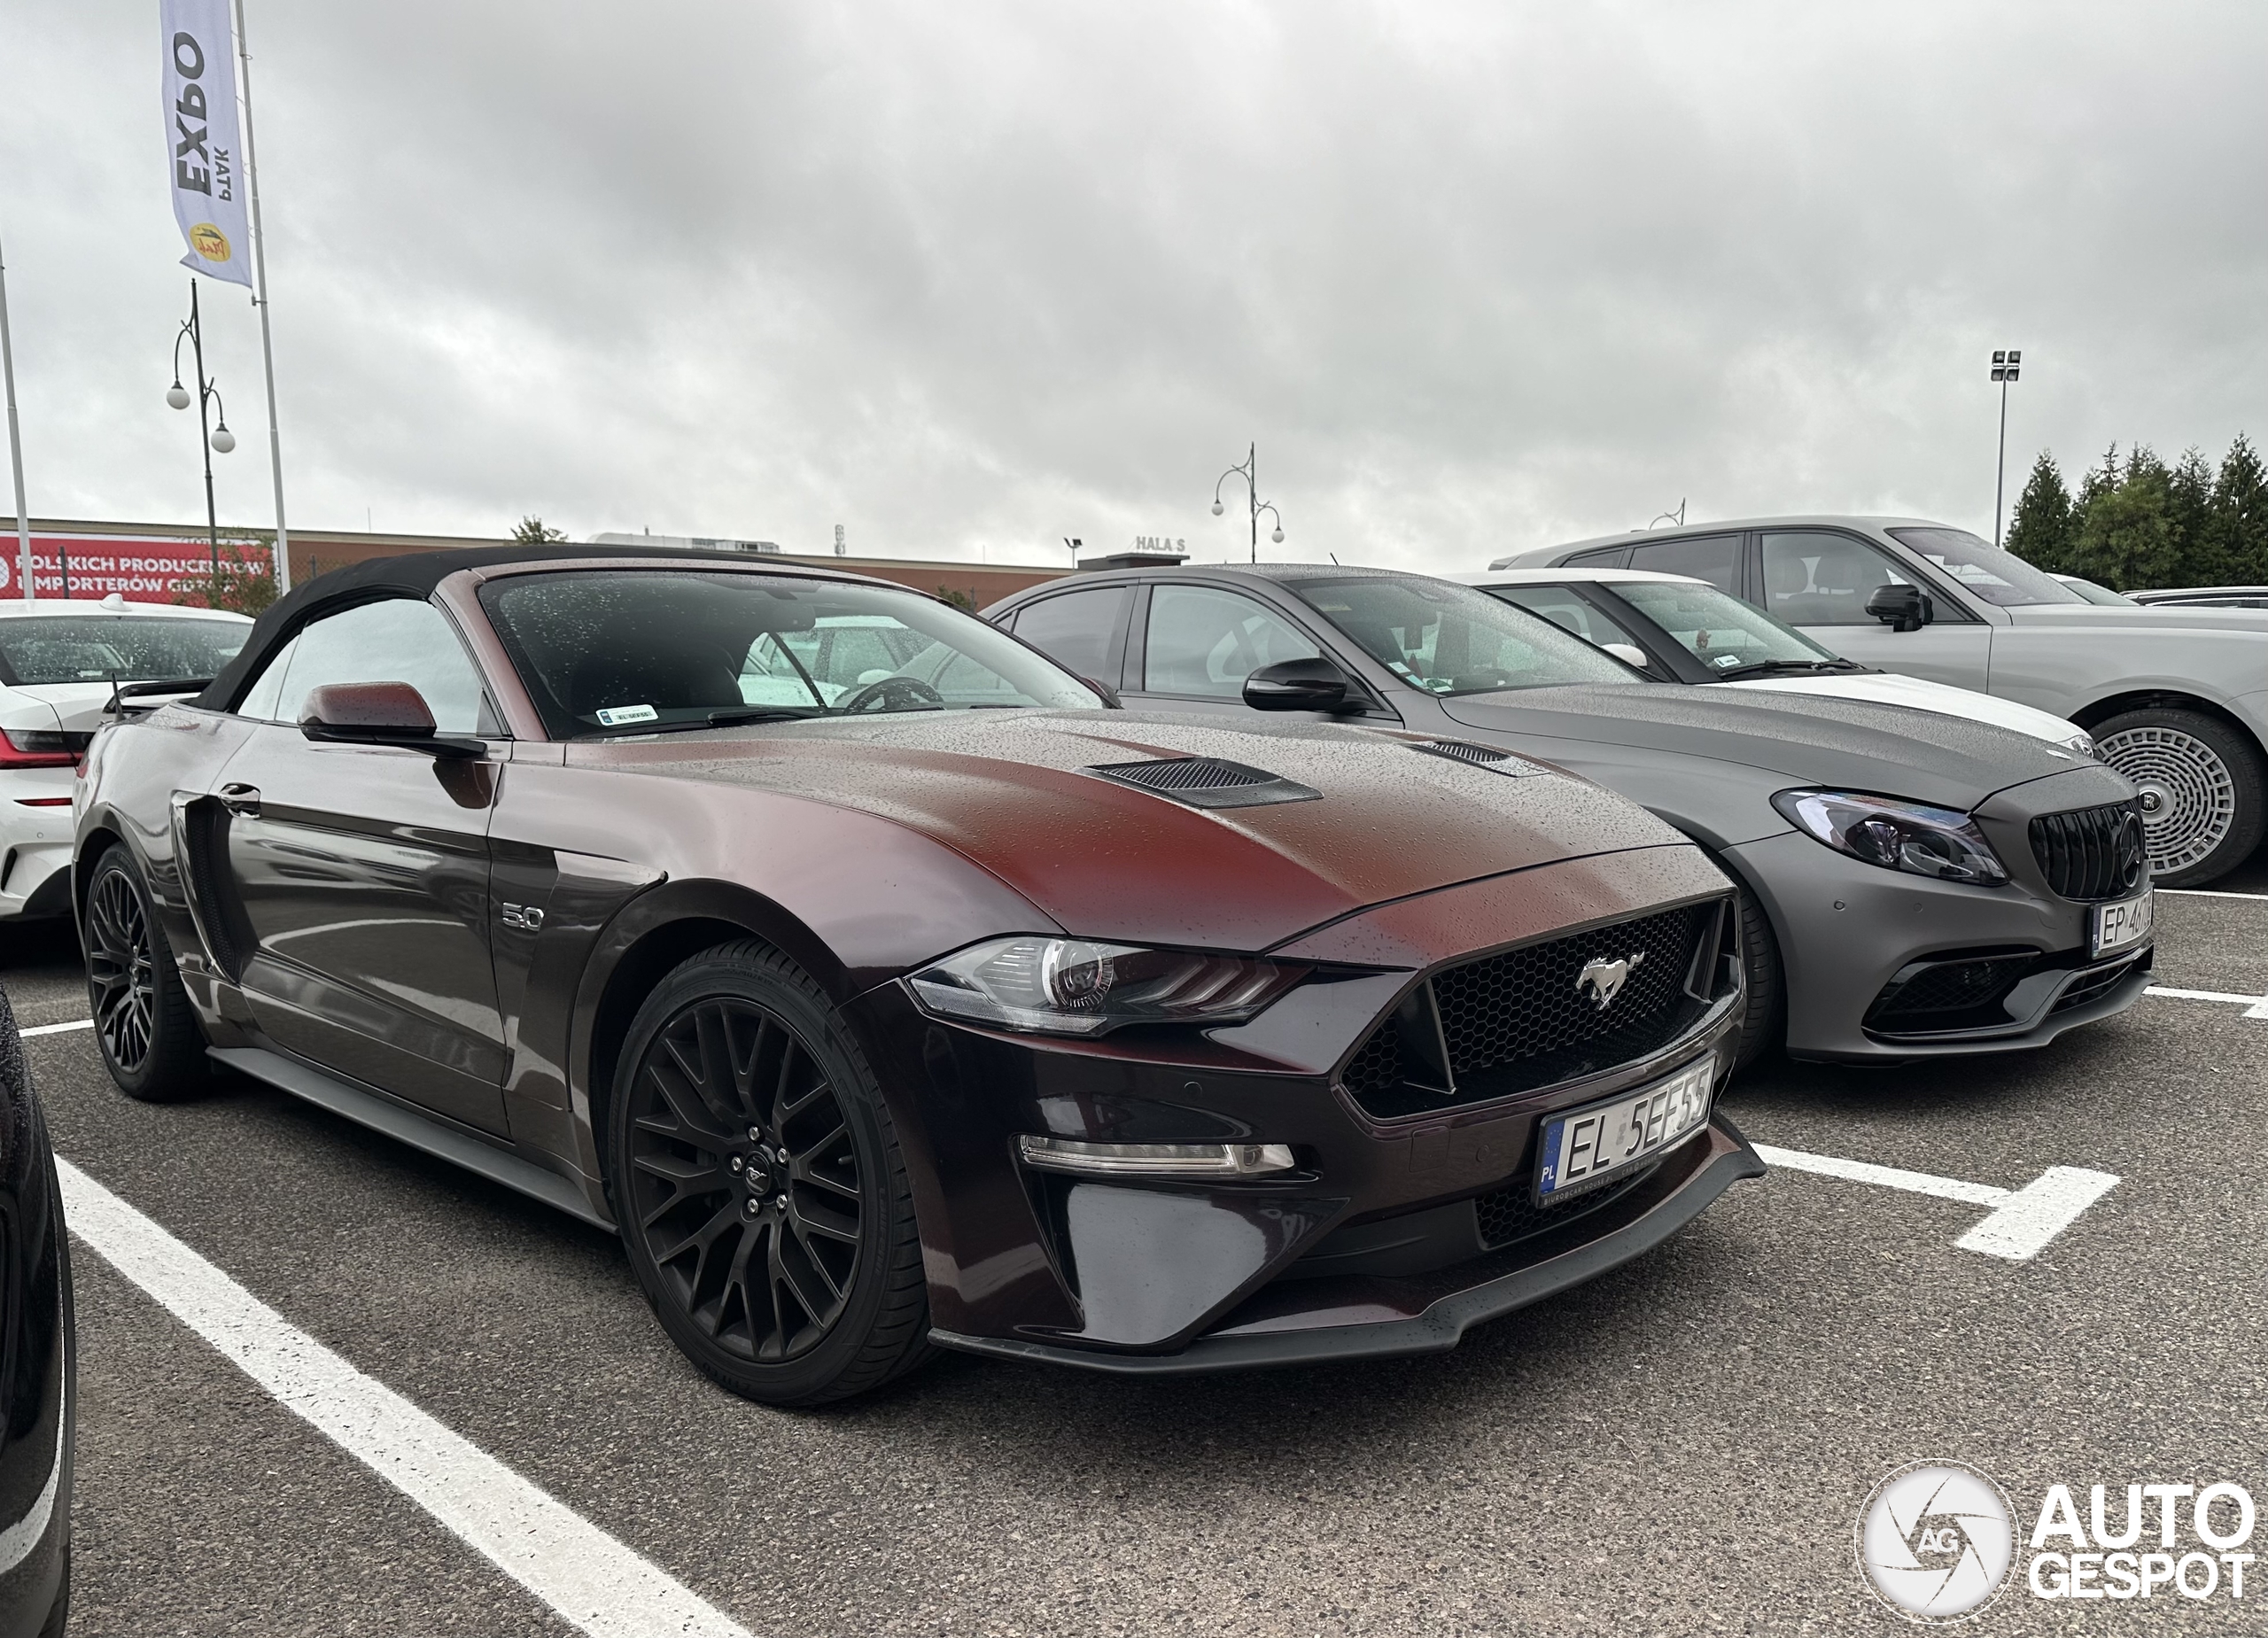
<point>1583,1145</point>
<point>2120,926</point>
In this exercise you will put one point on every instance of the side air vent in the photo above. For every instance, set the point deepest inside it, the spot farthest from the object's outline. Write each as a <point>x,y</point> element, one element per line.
<point>1207,781</point>
<point>1480,756</point>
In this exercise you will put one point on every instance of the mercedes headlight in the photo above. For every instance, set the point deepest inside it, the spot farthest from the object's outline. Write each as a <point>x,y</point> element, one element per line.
<point>1910,836</point>
<point>1074,986</point>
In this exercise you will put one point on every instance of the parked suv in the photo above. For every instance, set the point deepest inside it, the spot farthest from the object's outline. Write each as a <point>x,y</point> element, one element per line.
<point>2177,698</point>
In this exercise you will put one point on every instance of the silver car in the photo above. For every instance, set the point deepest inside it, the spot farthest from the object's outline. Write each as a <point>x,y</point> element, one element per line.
<point>2177,698</point>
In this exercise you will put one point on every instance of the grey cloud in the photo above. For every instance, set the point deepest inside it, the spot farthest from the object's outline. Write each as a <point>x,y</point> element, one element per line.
<point>967,279</point>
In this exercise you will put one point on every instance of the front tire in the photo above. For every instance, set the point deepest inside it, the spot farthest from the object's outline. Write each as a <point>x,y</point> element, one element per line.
<point>150,1038</point>
<point>2204,793</point>
<point>758,1180</point>
<point>1763,1025</point>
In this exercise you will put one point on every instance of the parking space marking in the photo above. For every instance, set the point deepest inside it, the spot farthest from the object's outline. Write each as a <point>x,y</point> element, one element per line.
<point>76,1023</point>
<point>2021,1221</point>
<point>2209,893</point>
<point>592,1581</point>
<point>2256,1005</point>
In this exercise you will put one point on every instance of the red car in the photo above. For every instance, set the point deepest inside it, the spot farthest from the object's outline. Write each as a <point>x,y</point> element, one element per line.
<point>887,989</point>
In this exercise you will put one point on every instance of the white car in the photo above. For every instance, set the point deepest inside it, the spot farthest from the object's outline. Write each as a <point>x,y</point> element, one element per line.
<point>1677,628</point>
<point>2177,698</point>
<point>61,661</point>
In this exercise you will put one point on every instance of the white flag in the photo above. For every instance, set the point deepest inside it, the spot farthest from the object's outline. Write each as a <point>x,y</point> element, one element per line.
<point>204,159</point>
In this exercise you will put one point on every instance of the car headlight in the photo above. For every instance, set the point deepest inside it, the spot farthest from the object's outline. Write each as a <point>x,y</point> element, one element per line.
<point>1074,986</point>
<point>1910,836</point>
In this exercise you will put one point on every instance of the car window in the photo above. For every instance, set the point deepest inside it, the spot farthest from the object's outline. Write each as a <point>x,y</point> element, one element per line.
<point>647,650</point>
<point>1821,578</point>
<point>1720,630</point>
<point>1564,608</point>
<point>1449,639</point>
<point>1077,628</point>
<point>1984,571</point>
<point>1601,557</point>
<point>1714,558</point>
<point>71,648</point>
<point>1205,641</point>
<point>396,639</point>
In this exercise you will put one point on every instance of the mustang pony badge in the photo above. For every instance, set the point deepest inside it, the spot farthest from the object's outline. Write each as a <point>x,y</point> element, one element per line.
<point>1604,979</point>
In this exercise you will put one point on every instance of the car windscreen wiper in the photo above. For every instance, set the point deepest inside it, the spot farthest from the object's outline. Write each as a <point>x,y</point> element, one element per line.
<point>1771,668</point>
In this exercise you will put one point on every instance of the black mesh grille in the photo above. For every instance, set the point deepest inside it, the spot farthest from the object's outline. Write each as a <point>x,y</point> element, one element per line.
<point>2094,985</point>
<point>2091,853</point>
<point>1533,1017</point>
<point>1207,781</point>
<point>1952,987</point>
<point>1510,1214</point>
<point>1531,1001</point>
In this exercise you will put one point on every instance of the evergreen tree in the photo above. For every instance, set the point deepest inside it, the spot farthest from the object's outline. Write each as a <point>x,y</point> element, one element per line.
<point>535,532</point>
<point>2239,524</point>
<point>2197,555</point>
<point>2041,530</point>
<point>2125,534</point>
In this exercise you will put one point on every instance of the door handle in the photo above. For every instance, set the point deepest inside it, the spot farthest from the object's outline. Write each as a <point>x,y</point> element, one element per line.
<point>241,799</point>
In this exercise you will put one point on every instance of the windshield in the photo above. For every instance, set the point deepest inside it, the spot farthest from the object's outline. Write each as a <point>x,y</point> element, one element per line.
<point>1999,577</point>
<point>1449,639</point>
<point>1720,630</point>
<point>641,650</point>
<point>96,648</point>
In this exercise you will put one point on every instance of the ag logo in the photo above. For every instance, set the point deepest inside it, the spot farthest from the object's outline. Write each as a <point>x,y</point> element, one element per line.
<point>1934,1542</point>
<point>209,242</point>
<point>1604,979</point>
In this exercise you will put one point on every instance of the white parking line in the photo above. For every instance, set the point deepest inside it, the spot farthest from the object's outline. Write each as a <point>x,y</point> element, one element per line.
<point>76,1023</point>
<point>2256,1005</point>
<point>2210,893</point>
<point>2022,1221</point>
<point>593,1581</point>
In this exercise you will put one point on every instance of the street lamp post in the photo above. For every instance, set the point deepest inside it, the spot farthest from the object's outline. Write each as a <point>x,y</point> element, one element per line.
<point>1250,472</point>
<point>210,438</point>
<point>2005,364</point>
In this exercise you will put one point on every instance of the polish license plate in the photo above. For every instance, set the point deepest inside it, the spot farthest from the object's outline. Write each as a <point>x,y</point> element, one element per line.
<point>2120,926</point>
<point>1584,1145</point>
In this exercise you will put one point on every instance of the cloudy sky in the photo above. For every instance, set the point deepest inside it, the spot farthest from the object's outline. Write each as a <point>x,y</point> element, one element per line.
<point>970,278</point>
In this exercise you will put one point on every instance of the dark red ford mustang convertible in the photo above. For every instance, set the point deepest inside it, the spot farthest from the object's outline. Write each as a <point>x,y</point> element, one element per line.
<point>890,989</point>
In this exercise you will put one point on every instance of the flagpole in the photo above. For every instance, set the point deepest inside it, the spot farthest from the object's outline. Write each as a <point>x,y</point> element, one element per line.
<point>15,438</point>
<point>266,340</point>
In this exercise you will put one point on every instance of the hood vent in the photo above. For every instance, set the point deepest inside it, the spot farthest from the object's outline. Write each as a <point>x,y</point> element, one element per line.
<point>1207,782</point>
<point>1480,756</point>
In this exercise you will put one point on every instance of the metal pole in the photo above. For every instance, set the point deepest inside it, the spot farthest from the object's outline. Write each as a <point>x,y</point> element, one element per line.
<point>259,300</point>
<point>1252,493</point>
<point>2001,472</point>
<point>204,432</point>
<point>15,439</point>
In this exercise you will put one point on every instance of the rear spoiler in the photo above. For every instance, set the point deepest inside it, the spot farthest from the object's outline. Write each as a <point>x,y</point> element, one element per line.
<point>158,692</point>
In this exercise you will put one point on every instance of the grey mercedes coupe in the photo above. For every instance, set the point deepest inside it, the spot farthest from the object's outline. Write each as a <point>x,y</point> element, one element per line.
<point>1912,884</point>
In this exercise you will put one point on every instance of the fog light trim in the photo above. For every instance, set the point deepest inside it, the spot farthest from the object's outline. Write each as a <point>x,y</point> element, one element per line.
<point>1157,1159</point>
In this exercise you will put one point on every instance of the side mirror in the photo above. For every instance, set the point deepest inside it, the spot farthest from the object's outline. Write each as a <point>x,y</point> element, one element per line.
<point>378,713</point>
<point>1901,608</point>
<point>1313,685</point>
<point>1630,654</point>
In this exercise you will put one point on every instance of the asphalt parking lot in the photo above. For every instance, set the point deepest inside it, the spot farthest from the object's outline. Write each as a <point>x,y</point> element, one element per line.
<point>1681,1447</point>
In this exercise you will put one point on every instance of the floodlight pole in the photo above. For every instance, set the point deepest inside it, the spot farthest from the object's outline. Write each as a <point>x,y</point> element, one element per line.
<point>15,439</point>
<point>2006,363</point>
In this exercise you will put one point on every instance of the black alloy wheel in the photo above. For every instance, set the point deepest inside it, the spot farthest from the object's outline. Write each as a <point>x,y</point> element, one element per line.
<point>759,1186</point>
<point>149,1035</point>
<point>121,971</point>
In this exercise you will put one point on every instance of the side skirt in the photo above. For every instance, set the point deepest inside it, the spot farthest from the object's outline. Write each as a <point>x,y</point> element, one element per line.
<point>405,1125</point>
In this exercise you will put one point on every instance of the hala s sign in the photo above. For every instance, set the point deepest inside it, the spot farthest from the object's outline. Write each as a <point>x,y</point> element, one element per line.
<point>202,159</point>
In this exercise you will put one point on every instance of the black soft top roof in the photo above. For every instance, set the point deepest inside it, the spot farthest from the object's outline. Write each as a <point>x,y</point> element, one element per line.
<point>416,574</point>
